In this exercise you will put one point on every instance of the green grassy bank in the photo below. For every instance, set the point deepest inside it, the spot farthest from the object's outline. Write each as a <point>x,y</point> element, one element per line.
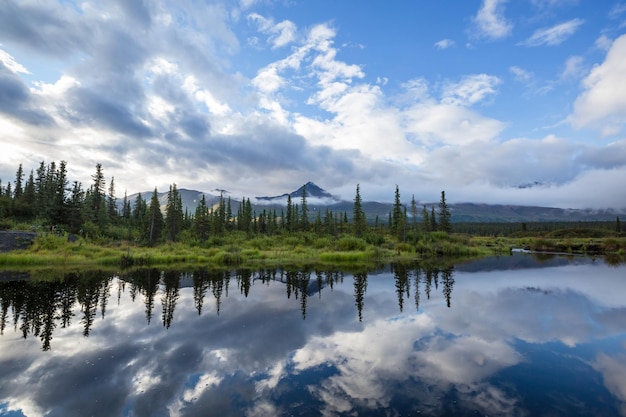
<point>237,249</point>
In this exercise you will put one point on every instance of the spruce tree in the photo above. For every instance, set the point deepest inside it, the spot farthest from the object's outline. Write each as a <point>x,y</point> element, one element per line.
<point>304,221</point>
<point>138,215</point>
<point>126,210</point>
<point>201,220</point>
<point>360,223</point>
<point>444,215</point>
<point>59,213</point>
<point>75,208</point>
<point>154,220</point>
<point>398,217</point>
<point>19,178</point>
<point>98,204</point>
<point>433,219</point>
<point>413,214</point>
<point>425,220</point>
<point>112,201</point>
<point>173,213</point>
<point>40,181</point>
<point>289,215</point>
<point>29,195</point>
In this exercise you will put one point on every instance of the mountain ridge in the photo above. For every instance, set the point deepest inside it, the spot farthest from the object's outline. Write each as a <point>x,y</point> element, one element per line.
<point>320,199</point>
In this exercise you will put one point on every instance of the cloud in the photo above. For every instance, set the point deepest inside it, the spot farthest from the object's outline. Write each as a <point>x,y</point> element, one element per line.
<point>258,354</point>
<point>604,43</point>
<point>470,90</point>
<point>281,34</point>
<point>574,68</point>
<point>16,100</point>
<point>548,4</point>
<point>613,370</point>
<point>554,35</point>
<point>148,88</point>
<point>49,29</point>
<point>444,44</point>
<point>490,22</point>
<point>521,74</point>
<point>9,62</point>
<point>617,10</point>
<point>602,104</point>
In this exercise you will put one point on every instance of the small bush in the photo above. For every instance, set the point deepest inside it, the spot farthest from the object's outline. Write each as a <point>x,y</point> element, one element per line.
<point>294,240</point>
<point>227,258</point>
<point>610,245</point>
<point>323,242</point>
<point>349,243</point>
<point>374,239</point>
<point>404,247</point>
<point>261,243</point>
<point>49,242</point>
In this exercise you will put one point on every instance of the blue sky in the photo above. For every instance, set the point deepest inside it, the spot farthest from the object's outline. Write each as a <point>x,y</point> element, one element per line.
<point>258,97</point>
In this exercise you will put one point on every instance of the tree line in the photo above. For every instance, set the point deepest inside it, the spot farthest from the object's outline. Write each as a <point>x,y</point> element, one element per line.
<point>47,198</point>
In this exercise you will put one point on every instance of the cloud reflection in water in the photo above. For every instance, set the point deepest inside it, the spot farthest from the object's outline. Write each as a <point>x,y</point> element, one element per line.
<point>259,357</point>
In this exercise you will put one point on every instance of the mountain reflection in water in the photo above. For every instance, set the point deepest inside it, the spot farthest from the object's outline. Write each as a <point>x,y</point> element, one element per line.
<point>503,336</point>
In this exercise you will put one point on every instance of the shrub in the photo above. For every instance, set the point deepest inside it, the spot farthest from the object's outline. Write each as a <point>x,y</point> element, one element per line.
<point>610,245</point>
<point>261,243</point>
<point>294,240</point>
<point>374,239</point>
<point>49,242</point>
<point>349,243</point>
<point>323,242</point>
<point>404,247</point>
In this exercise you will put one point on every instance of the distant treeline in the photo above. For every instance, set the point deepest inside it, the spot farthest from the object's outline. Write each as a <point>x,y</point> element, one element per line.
<point>46,199</point>
<point>522,229</point>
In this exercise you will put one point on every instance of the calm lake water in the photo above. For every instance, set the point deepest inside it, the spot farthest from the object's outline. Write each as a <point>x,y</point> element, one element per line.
<point>508,336</point>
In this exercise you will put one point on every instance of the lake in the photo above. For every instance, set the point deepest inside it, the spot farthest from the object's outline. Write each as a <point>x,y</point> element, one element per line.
<point>508,336</point>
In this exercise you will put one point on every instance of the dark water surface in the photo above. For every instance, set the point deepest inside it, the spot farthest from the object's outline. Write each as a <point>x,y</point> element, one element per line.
<point>509,336</point>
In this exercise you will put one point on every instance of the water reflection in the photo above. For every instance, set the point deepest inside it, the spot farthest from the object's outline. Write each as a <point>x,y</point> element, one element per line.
<point>38,307</point>
<point>507,338</point>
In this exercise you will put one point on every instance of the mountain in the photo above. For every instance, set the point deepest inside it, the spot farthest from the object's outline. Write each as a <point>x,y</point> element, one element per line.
<point>319,199</point>
<point>314,194</point>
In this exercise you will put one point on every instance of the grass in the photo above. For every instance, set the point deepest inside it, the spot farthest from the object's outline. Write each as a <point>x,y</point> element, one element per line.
<point>295,249</point>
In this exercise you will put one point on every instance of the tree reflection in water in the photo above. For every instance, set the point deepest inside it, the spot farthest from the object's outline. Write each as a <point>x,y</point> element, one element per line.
<point>38,307</point>
<point>289,342</point>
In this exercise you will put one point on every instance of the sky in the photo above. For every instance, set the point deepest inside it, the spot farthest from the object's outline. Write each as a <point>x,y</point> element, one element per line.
<point>493,101</point>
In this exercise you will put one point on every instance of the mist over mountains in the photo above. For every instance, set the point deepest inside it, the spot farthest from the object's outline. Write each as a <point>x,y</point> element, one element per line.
<point>319,199</point>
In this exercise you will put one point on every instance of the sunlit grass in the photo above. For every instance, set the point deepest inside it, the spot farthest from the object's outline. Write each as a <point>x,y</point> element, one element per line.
<point>237,249</point>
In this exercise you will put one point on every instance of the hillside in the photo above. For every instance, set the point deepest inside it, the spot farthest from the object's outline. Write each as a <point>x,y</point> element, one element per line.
<point>319,199</point>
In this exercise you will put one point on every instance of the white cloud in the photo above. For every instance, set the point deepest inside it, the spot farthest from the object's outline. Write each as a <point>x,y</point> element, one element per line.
<point>470,90</point>
<point>444,44</point>
<point>604,43</point>
<point>545,4</point>
<point>280,34</point>
<point>521,74</point>
<point>267,80</point>
<point>617,10</point>
<point>574,68</point>
<point>602,104</point>
<point>490,22</point>
<point>613,370</point>
<point>554,35</point>
<point>9,62</point>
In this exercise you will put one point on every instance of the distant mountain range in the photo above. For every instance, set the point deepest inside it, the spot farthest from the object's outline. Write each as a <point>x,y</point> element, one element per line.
<point>320,199</point>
